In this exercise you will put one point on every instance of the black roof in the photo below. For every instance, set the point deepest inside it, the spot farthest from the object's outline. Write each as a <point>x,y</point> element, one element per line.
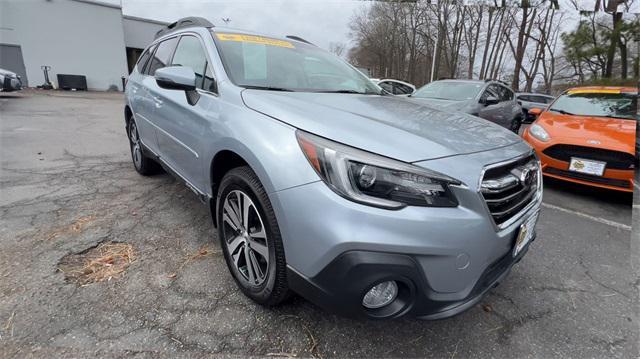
<point>192,21</point>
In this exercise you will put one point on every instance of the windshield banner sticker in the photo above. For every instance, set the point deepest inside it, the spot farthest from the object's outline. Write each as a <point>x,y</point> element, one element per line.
<point>254,39</point>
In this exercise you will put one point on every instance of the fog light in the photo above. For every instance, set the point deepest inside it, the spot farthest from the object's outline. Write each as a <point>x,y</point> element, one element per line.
<point>380,295</point>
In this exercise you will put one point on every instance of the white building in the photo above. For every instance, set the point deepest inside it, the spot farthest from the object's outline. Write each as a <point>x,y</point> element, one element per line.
<point>76,37</point>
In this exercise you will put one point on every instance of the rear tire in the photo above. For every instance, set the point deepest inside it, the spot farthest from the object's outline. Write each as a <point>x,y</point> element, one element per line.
<point>141,162</point>
<point>250,237</point>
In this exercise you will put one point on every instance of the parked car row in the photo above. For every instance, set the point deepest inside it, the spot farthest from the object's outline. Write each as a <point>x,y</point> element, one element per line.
<point>588,135</point>
<point>320,182</point>
<point>9,81</point>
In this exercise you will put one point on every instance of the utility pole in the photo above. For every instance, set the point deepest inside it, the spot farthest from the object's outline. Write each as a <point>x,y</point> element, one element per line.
<point>435,52</point>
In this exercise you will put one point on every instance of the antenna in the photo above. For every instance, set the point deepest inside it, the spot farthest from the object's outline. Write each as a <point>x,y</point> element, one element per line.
<point>226,21</point>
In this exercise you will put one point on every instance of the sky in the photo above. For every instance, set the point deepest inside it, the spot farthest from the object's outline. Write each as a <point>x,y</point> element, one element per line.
<point>320,22</point>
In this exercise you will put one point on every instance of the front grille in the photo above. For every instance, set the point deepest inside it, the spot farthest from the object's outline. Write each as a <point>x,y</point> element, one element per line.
<point>614,159</point>
<point>509,188</point>
<point>589,178</point>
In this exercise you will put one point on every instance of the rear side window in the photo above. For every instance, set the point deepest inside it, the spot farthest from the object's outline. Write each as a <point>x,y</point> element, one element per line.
<point>503,93</point>
<point>190,53</point>
<point>162,56</point>
<point>142,61</point>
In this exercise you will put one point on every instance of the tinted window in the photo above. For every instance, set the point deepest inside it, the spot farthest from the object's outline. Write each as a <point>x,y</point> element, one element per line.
<point>142,61</point>
<point>488,92</point>
<point>386,86</point>
<point>209,81</point>
<point>189,53</point>
<point>507,93</point>
<point>401,89</point>
<point>162,56</point>
<point>503,93</point>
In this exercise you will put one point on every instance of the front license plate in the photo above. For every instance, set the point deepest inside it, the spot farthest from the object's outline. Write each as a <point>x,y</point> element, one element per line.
<point>525,234</point>
<point>587,166</point>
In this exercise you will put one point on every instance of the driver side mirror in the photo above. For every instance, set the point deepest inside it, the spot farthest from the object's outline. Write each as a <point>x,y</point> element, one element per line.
<point>535,111</point>
<point>178,78</point>
<point>491,100</point>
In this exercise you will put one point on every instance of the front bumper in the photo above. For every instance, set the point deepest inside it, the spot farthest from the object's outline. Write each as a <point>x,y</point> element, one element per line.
<point>340,287</point>
<point>445,259</point>
<point>612,179</point>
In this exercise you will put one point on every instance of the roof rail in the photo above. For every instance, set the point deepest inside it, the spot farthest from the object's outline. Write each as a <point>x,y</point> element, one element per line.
<point>182,23</point>
<point>298,38</point>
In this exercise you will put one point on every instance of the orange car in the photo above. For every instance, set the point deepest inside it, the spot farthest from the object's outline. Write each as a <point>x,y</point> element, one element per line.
<point>588,135</point>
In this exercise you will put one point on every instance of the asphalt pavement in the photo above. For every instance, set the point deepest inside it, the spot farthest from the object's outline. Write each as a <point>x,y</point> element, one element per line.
<point>67,185</point>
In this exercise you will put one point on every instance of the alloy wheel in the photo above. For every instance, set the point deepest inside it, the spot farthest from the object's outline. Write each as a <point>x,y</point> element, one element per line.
<point>136,150</point>
<point>246,238</point>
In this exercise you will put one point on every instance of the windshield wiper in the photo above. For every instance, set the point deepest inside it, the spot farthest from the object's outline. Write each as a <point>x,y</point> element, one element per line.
<point>562,112</point>
<point>268,88</point>
<point>348,91</point>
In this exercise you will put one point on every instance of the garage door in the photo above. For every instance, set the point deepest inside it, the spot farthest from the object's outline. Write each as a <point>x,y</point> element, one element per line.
<point>11,59</point>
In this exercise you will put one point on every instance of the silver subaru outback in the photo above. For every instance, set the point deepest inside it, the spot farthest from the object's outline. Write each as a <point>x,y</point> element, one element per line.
<point>320,183</point>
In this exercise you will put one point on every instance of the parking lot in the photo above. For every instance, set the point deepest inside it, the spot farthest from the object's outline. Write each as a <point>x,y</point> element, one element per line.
<point>67,185</point>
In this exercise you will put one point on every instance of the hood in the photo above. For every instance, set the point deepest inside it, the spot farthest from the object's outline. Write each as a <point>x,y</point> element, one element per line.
<point>606,132</point>
<point>386,125</point>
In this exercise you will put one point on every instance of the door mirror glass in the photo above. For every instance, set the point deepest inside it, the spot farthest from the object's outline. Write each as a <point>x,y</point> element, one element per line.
<point>176,78</point>
<point>491,100</point>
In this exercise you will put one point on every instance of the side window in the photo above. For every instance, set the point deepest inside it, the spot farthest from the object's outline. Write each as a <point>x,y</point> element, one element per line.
<point>190,53</point>
<point>209,82</point>
<point>507,94</point>
<point>502,93</point>
<point>142,61</point>
<point>386,86</point>
<point>488,92</point>
<point>401,89</point>
<point>162,56</point>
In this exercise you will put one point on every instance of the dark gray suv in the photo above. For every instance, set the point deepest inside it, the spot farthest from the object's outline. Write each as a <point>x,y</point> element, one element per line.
<point>491,100</point>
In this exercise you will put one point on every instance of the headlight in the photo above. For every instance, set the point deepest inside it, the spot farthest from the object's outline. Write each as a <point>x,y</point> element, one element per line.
<point>538,132</point>
<point>375,180</point>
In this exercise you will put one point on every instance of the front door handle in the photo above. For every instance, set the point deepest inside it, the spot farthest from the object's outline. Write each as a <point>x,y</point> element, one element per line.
<point>157,101</point>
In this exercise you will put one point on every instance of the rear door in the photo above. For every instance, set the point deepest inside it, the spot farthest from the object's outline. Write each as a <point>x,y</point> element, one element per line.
<point>140,100</point>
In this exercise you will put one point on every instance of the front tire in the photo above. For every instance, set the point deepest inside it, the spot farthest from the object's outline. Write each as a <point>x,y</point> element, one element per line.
<point>250,237</point>
<point>515,125</point>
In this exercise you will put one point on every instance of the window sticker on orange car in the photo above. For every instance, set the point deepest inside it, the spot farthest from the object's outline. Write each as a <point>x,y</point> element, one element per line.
<point>254,40</point>
<point>571,92</point>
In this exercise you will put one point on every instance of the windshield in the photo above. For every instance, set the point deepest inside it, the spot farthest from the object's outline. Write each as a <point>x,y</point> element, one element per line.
<point>598,104</point>
<point>272,64</point>
<point>449,90</point>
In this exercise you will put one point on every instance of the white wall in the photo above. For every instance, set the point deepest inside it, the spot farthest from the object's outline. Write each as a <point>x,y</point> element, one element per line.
<point>139,33</point>
<point>73,37</point>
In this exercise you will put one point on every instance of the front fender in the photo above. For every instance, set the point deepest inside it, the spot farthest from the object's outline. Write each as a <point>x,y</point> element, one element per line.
<point>269,147</point>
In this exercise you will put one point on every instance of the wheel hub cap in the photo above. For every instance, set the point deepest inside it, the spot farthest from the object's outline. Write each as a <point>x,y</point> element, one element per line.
<point>246,238</point>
